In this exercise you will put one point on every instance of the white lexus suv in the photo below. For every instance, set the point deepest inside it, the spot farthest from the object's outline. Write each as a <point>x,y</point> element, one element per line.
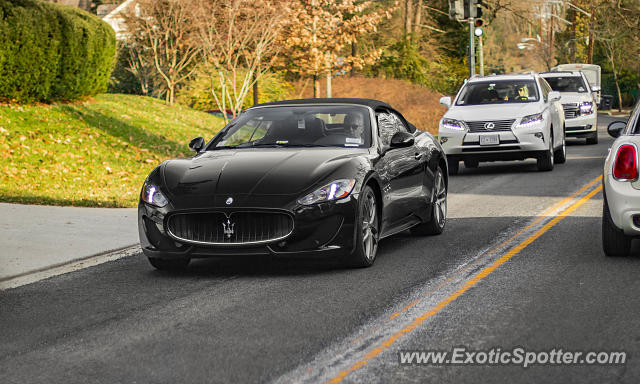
<point>621,207</point>
<point>579,102</point>
<point>503,117</point>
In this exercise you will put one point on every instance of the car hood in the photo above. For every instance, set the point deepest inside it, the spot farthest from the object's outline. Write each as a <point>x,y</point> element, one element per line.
<point>574,97</point>
<point>214,176</point>
<point>492,111</point>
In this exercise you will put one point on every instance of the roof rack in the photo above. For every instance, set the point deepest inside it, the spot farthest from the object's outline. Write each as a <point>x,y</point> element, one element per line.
<point>560,72</point>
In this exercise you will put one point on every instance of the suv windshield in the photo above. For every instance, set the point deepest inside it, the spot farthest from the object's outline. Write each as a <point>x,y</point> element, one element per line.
<point>498,92</point>
<point>298,126</point>
<point>567,84</point>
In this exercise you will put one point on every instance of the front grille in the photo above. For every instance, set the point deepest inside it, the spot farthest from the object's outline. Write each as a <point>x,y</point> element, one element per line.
<point>481,126</point>
<point>571,110</point>
<point>238,228</point>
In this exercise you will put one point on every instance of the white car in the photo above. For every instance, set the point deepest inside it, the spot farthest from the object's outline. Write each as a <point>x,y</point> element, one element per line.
<point>503,117</point>
<point>579,102</point>
<point>621,207</point>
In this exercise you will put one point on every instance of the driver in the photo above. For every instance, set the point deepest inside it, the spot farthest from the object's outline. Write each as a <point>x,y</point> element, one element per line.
<point>354,124</point>
<point>523,92</point>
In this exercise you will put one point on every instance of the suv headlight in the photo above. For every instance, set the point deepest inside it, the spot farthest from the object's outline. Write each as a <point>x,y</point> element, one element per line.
<point>453,124</point>
<point>152,195</point>
<point>335,190</point>
<point>531,120</point>
<point>586,108</point>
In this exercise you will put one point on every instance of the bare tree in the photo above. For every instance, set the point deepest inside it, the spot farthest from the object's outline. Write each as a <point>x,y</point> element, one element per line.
<point>238,41</point>
<point>166,28</point>
<point>140,66</point>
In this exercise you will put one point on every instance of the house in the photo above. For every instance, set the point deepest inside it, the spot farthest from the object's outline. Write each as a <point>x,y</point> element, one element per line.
<point>114,18</point>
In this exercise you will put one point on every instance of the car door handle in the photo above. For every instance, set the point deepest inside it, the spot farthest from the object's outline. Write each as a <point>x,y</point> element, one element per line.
<point>418,156</point>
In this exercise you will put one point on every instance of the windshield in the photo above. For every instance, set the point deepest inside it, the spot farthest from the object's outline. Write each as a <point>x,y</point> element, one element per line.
<point>298,126</point>
<point>498,92</point>
<point>567,84</point>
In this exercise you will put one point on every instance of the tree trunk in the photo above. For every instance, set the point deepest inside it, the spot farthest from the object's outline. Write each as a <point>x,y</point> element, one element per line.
<point>168,97</point>
<point>551,36</point>
<point>615,74</point>
<point>572,42</point>
<point>354,52</point>
<point>591,42</point>
<point>408,13</point>
<point>418,15</point>
<point>255,89</point>
<point>316,85</point>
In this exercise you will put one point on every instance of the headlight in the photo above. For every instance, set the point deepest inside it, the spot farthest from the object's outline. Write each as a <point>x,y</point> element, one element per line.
<point>453,124</point>
<point>531,120</point>
<point>586,108</point>
<point>152,195</point>
<point>336,190</point>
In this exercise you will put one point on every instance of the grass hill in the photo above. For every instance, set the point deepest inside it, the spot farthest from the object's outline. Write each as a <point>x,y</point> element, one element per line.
<point>92,153</point>
<point>420,105</point>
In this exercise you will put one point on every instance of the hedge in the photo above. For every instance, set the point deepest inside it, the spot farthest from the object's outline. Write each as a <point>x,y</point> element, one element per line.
<point>51,52</point>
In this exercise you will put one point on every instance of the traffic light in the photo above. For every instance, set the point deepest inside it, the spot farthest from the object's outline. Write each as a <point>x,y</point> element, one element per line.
<point>456,10</point>
<point>474,7</point>
<point>478,9</point>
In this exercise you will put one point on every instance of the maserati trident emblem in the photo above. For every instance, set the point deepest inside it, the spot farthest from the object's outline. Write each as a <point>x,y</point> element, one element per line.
<point>228,228</point>
<point>229,201</point>
<point>489,126</point>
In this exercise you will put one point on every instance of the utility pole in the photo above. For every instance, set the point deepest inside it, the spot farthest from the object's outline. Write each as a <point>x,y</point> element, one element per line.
<point>592,21</point>
<point>481,55</point>
<point>472,43</point>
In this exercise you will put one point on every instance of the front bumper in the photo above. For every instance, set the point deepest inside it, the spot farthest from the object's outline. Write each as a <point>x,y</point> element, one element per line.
<point>323,230</point>
<point>581,126</point>
<point>516,144</point>
<point>624,204</point>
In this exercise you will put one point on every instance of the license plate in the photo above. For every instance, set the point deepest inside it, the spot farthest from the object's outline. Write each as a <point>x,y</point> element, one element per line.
<point>489,139</point>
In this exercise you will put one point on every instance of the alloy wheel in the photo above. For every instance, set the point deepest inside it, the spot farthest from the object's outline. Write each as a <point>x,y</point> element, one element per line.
<point>370,226</point>
<point>441,200</point>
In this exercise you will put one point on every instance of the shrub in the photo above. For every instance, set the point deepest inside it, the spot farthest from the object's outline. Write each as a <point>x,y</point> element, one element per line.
<point>52,52</point>
<point>196,93</point>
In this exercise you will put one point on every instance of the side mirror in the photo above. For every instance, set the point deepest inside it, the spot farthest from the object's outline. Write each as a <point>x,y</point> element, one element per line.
<point>401,140</point>
<point>445,101</point>
<point>196,144</point>
<point>615,129</point>
<point>554,96</point>
<point>595,88</point>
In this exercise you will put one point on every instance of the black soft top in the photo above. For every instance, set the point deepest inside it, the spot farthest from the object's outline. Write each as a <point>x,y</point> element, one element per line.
<point>337,100</point>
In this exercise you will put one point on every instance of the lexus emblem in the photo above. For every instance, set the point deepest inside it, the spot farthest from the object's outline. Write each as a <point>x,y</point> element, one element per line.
<point>228,228</point>
<point>229,200</point>
<point>489,126</point>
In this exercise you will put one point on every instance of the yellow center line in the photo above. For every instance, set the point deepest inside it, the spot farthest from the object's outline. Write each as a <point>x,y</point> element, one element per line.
<point>470,283</point>
<point>540,217</point>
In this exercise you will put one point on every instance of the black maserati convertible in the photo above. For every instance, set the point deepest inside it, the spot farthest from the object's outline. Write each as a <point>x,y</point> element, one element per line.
<point>311,177</point>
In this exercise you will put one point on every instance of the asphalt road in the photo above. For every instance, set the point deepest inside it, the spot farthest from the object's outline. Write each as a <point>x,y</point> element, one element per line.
<point>257,320</point>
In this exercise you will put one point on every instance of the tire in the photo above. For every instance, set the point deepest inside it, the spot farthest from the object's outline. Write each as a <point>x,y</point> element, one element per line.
<point>438,219</point>
<point>368,231</point>
<point>454,166</point>
<point>592,140</point>
<point>169,264</point>
<point>473,163</point>
<point>560,156</point>
<point>614,241</point>
<point>545,161</point>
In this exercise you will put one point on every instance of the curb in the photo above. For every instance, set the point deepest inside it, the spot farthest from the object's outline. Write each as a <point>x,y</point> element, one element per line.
<point>67,266</point>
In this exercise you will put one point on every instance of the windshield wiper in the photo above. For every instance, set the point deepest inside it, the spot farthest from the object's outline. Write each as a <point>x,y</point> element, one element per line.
<point>313,145</point>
